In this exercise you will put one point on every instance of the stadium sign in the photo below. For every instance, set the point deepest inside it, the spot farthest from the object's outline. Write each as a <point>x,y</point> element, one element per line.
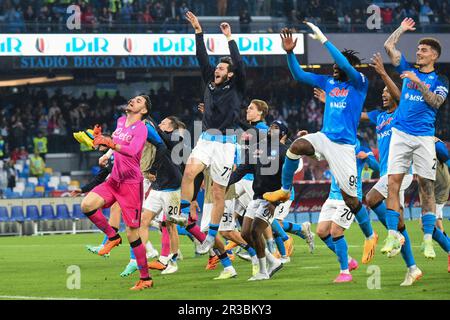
<point>137,44</point>
<point>120,62</point>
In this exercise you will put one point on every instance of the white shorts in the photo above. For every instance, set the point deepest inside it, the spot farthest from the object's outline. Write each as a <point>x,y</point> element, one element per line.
<point>227,223</point>
<point>420,150</point>
<point>282,210</point>
<point>217,156</point>
<point>259,208</point>
<point>244,192</point>
<point>166,202</point>
<point>341,159</point>
<point>382,187</point>
<point>440,211</point>
<point>337,212</point>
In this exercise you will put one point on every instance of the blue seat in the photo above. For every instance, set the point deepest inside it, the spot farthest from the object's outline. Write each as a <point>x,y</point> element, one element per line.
<point>106,212</point>
<point>32,213</point>
<point>4,217</point>
<point>77,213</point>
<point>38,194</point>
<point>15,195</point>
<point>28,194</point>
<point>62,212</point>
<point>47,212</point>
<point>8,193</point>
<point>17,214</point>
<point>63,187</point>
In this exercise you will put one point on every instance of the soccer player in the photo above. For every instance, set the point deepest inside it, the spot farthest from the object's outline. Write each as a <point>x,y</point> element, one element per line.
<point>265,164</point>
<point>124,185</point>
<point>346,91</point>
<point>224,91</point>
<point>423,93</point>
<point>335,214</point>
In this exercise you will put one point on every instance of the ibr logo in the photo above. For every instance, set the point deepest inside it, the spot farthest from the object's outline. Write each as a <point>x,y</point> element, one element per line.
<point>128,45</point>
<point>40,45</point>
<point>10,45</point>
<point>184,44</point>
<point>79,45</point>
<point>261,44</point>
<point>210,45</point>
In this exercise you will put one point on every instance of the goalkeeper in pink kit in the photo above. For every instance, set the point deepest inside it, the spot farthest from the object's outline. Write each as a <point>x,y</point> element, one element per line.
<point>124,185</point>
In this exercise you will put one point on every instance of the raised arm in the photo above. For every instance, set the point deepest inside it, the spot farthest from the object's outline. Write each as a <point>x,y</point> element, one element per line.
<point>239,66</point>
<point>377,64</point>
<point>390,44</point>
<point>338,57</point>
<point>201,53</point>
<point>288,44</point>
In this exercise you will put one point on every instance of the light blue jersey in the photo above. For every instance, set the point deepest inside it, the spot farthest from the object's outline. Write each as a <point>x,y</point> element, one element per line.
<point>335,191</point>
<point>415,116</point>
<point>383,120</point>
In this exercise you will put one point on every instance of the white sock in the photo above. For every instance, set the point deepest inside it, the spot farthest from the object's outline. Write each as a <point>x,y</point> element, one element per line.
<point>349,258</point>
<point>345,271</point>
<point>254,260</point>
<point>149,246</point>
<point>412,268</point>
<point>230,268</point>
<point>132,260</point>
<point>271,258</point>
<point>393,233</point>
<point>427,237</point>
<point>164,259</point>
<point>211,252</point>
<point>262,265</point>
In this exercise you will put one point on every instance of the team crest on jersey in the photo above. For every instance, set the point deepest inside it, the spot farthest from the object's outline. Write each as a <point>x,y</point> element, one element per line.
<point>273,153</point>
<point>336,92</point>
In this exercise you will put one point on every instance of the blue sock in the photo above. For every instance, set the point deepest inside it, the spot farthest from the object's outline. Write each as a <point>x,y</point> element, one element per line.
<point>278,230</point>
<point>224,260</point>
<point>293,228</point>
<point>182,231</point>
<point>440,238</point>
<point>185,206</point>
<point>341,251</point>
<point>228,251</point>
<point>407,250</point>
<point>287,174</point>
<point>280,245</point>
<point>104,240</point>
<point>329,242</point>
<point>364,221</point>
<point>132,256</point>
<point>380,211</point>
<point>392,219</point>
<point>174,257</point>
<point>428,223</point>
<point>250,250</point>
<point>212,232</point>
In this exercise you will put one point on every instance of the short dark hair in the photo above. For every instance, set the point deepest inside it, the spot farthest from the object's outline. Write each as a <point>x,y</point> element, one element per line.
<point>433,43</point>
<point>229,62</point>
<point>148,103</point>
<point>352,57</point>
<point>176,123</point>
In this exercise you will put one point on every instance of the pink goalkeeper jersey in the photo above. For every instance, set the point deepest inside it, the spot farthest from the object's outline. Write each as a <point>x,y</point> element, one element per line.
<point>126,168</point>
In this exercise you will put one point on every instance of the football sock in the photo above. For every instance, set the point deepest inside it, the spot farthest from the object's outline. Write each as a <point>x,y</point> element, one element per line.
<point>289,167</point>
<point>280,245</point>
<point>132,256</point>
<point>225,260</point>
<point>141,259</point>
<point>341,251</point>
<point>329,242</point>
<point>105,238</point>
<point>380,211</point>
<point>271,246</point>
<point>279,231</point>
<point>212,232</point>
<point>363,220</point>
<point>194,229</point>
<point>165,242</point>
<point>293,228</point>
<point>262,265</point>
<point>440,238</point>
<point>428,223</point>
<point>406,250</point>
<point>185,206</point>
<point>392,219</point>
<point>97,218</point>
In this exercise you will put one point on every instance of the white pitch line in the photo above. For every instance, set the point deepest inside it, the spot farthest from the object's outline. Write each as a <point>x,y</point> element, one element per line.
<point>41,298</point>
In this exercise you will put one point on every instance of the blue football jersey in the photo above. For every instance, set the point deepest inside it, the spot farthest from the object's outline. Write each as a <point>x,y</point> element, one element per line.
<point>343,106</point>
<point>415,116</point>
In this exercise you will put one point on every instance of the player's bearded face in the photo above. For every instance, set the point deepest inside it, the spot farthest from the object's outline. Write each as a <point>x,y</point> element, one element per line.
<point>136,105</point>
<point>221,73</point>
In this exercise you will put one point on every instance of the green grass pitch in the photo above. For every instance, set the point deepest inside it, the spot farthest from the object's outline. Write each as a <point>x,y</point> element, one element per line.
<point>37,267</point>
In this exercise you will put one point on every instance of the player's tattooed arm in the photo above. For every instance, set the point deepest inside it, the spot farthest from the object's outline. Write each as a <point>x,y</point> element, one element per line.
<point>391,42</point>
<point>431,98</point>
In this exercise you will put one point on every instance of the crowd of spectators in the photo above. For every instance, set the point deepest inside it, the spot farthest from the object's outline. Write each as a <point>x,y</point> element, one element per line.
<point>164,15</point>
